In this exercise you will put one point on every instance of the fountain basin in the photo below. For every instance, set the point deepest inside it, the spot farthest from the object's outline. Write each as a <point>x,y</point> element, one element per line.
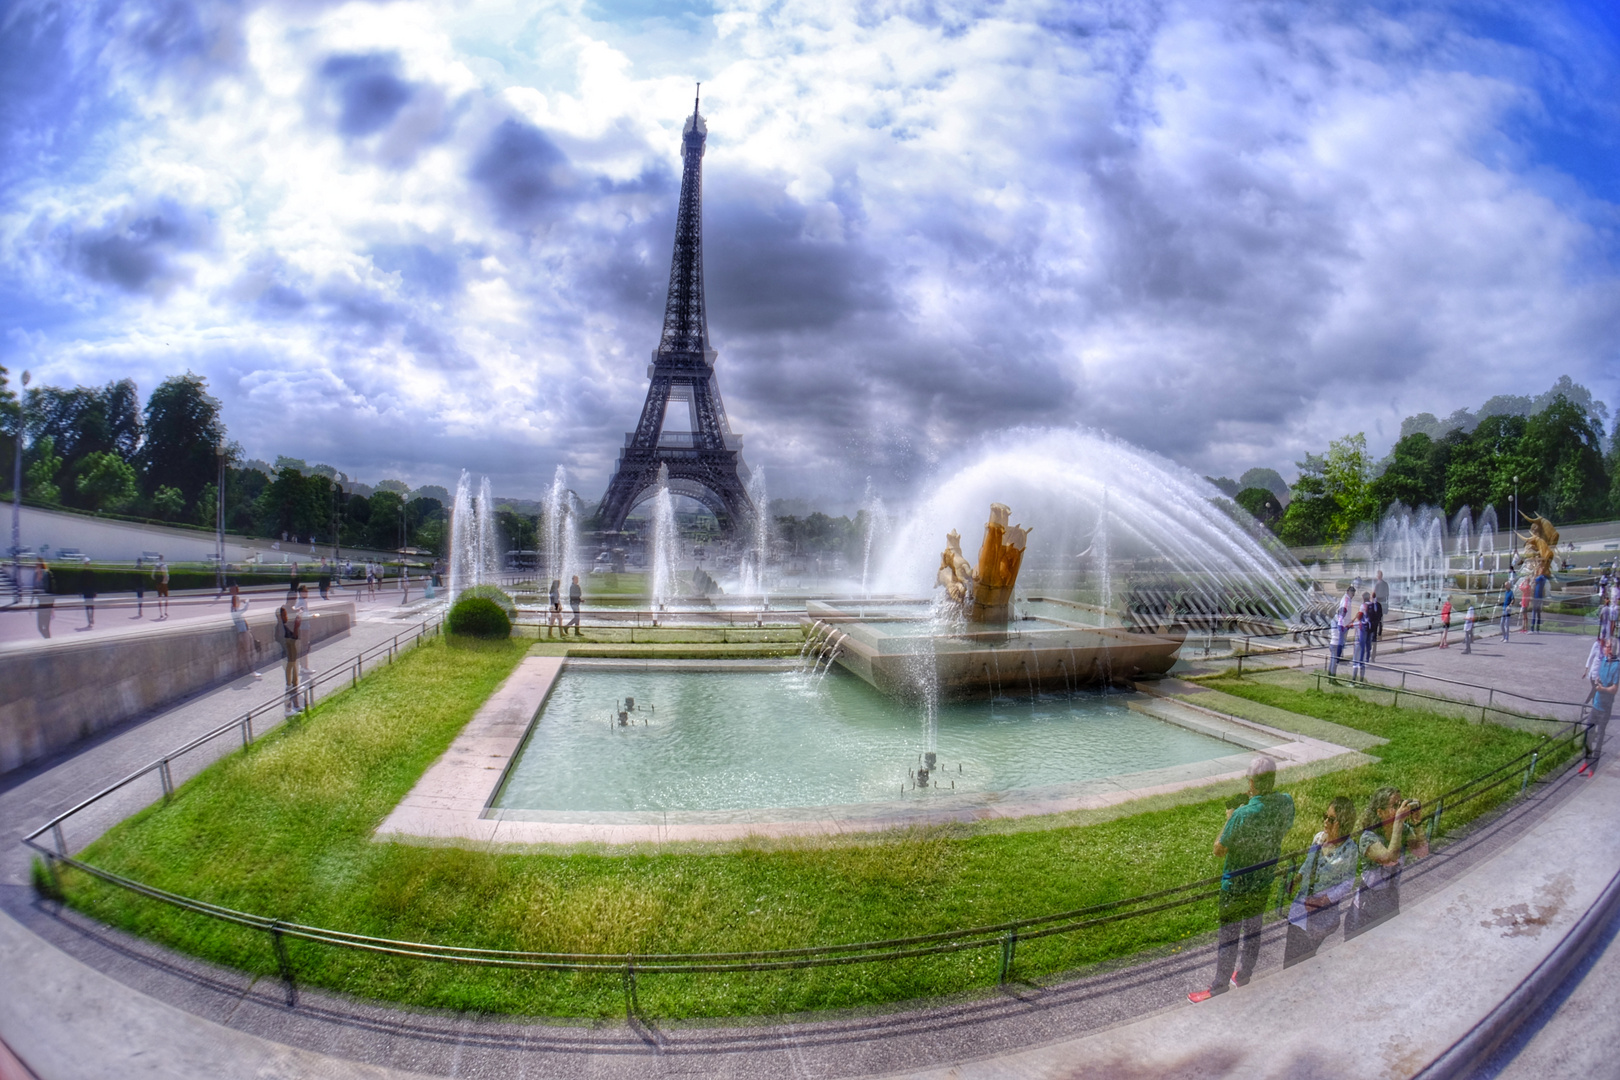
<point>897,649</point>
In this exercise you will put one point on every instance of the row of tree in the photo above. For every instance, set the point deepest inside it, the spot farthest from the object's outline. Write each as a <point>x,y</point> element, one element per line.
<point>98,448</point>
<point>1550,451</point>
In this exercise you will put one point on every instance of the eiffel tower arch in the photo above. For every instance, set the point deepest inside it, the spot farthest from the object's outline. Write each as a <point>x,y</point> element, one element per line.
<point>705,461</point>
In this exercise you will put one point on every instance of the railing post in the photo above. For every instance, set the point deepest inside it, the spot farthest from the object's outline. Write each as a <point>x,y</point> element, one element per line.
<point>56,835</point>
<point>1434,829</point>
<point>1009,949</point>
<point>632,1006</point>
<point>1530,772</point>
<point>283,962</point>
<point>166,779</point>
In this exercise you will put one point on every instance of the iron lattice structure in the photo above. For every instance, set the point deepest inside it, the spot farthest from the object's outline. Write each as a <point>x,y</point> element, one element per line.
<point>704,462</point>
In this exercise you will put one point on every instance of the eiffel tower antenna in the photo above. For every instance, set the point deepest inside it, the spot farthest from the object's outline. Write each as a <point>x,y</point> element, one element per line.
<point>705,461</point>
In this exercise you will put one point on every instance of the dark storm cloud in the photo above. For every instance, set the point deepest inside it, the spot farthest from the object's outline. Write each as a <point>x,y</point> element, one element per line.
<point>525,177</point>
<point>136,248</point>
<point>369,91</point>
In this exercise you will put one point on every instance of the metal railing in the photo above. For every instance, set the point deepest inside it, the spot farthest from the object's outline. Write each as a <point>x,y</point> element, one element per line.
<point>1003,936</point>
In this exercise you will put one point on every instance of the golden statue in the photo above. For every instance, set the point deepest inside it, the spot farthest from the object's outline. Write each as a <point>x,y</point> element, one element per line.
<point>1541,546</point>
<point>986,593</point>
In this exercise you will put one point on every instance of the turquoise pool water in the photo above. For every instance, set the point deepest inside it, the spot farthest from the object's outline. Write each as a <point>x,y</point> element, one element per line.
<point>732,741</point>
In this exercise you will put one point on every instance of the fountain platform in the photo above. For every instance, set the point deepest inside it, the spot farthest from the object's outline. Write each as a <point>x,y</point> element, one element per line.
<point>897,648</point>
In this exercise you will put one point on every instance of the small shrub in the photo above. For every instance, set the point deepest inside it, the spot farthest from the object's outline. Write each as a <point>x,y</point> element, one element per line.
<point>498,596</point>
<point>479,616</point>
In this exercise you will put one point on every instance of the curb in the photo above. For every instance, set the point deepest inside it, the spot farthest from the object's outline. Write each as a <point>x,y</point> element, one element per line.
<point>1498,1025</point>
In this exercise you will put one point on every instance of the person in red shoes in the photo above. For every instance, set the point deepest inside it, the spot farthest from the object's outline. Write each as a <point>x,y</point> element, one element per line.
<point>1251,844</point>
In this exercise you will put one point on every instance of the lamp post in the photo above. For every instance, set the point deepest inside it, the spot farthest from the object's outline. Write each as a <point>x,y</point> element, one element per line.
<point>16,498</point>
<point>219,517</point>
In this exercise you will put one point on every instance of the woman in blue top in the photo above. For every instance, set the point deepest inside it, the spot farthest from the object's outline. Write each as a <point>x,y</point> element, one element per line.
<point>1507,610</point>
<point>1326,880</point>
<point>1604,686</point>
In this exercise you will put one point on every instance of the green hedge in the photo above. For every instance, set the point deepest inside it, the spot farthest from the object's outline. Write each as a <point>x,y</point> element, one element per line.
<point>479,616</point>
<point>497,596</point>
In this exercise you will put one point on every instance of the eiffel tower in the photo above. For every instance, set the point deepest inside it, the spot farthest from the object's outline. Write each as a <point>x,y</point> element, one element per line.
<point>705,461</point>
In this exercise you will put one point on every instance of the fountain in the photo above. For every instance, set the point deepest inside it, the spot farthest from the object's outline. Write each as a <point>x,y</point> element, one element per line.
<point>876,524</point>
<point>462,530</point>
<point>754,558</point>
<point>562,516</point>
<point>489,556</point>
<point>1411,550</point>
<point>1186,558</point>
<point>664,543</point>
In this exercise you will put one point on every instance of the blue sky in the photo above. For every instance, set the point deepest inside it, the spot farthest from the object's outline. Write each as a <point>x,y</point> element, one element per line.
<point>407,238</point>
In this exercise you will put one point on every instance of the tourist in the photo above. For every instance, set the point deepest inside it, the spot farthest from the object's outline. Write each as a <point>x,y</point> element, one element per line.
<point>324,581</point>
<point>1604,685</point>
<point>1610,621</point>
<point>1380,593</point>
<point>1251,843</point>
<point>161,576</point>
<point>1525,586</point>
<point>247,644</point>
<point>1327,879</point>
<point>1468,631</point>
<point>1375,623</point>
<point>1387,837</point>
<point>1537,598</point>
<point>404,585</point>
<point>1445,622</point>
<point>575,596</point>
<point>87,589</point>
<point>45,601</point>
<point>1507,610</point>
<point>140,588</point>
<point>554,616</point>
<point>1358,665</point>
<point>288,623</point>
<point>304,671</point>
<point>1341,622</point>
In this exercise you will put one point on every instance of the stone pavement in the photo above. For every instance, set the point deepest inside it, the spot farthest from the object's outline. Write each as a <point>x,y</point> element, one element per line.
<point>1476,917</point>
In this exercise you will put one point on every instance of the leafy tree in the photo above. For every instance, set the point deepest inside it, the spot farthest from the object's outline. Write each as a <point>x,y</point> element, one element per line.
<point>10,416</point>
<point>398,487</point>
<point>1612,464</point>
<point>1270,479</point>
<point>1413,475</point>
<point>242,490</point>
<point>39,477</point>
<point>1565,446</point>
<point>169,503</point>
<point>105,481</point>
<point>1262,505</point>
<point>1347,480</point>
<point>382,531</point>
<point>1310,511</point>
<point>84,420</point>
<point>183,428</point>
<point>295,505</point>
<point>1225,485</point>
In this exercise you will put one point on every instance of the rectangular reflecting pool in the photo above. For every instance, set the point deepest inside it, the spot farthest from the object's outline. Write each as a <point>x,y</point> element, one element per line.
<point>705,741</point>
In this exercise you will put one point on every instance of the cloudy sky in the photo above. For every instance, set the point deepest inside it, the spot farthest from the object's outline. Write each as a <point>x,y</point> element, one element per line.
<point>405,238</point>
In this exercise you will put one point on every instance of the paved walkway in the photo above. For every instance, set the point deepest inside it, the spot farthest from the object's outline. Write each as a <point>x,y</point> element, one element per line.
<point>1476,917</point>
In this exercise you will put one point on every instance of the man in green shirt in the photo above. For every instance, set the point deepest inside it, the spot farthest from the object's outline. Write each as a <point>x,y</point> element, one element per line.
<point>1250,843</point>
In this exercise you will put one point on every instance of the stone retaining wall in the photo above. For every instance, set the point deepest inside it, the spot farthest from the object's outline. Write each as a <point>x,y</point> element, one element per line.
<point>55,693</point>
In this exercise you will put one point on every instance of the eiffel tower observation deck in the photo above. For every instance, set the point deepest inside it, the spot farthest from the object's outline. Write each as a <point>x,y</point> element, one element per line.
<point>704,460</point>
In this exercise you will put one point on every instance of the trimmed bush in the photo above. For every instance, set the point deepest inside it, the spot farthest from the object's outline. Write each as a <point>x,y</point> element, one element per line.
<point>497,596</point>
<point>479,616</point>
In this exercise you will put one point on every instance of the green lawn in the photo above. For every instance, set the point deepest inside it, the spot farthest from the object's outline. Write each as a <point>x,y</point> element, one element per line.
<point>285,829</point>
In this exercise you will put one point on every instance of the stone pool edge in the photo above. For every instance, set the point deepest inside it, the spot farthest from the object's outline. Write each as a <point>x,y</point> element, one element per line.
<point>451,801</point>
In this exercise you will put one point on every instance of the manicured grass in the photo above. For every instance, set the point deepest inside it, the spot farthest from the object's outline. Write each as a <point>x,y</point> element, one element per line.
<point>285,829</point>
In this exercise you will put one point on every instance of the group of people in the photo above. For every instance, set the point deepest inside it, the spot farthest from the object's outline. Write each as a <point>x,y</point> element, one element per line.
<point>1349,877</point>
<point>289,632</point>
<point>554,613</point>
<point>1602,671</point>
<point>1365,620</point>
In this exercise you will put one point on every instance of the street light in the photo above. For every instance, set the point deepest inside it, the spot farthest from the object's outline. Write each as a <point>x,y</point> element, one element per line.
<point>219,517</point>
<point>16,498</point>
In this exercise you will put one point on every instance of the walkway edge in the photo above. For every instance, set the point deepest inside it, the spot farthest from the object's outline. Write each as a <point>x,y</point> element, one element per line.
<point>1498,1025</point>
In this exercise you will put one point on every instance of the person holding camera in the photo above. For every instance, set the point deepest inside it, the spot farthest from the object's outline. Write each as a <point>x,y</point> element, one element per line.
<point>1387,837</point>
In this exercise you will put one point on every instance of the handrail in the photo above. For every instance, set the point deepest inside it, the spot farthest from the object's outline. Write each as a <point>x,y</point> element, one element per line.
<point>1003,934</point>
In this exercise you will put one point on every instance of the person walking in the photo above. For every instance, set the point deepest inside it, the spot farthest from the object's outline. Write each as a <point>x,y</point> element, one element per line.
<point>1250,843</point>
<point>1445,622</point>
<point>575,596</point>
<point>161,576</point>
<point>87,589</point>
<point>1524,603</point>
<point>1380,591</point>
<point>1363,653</point>
<point>1375,623</point>
<point>554,615</point>
<point>288,624</point>
<point>1468,631</point>
<point>1604,685</point>
<point>1341,623</point>
<point>305,672</point>
<point>1507,611</point>
<point>1537,598</point>
<point>45,600</point>
<point>248,645</point>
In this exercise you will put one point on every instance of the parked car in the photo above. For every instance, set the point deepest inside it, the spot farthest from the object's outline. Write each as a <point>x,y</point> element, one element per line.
<point>72,555</point>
